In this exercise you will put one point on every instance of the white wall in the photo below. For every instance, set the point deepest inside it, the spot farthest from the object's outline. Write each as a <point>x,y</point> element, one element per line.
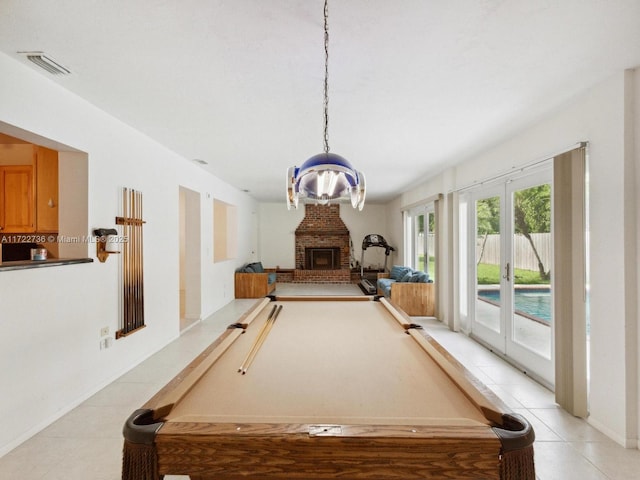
<point>372,219</point>
<point>599,118</point>
<point>276,234</point>
<point>631,251</point>
<point>73,174</point>
<point>635,101</point>
<point>277,227</point>
<point>51,318</point>
<point>395,230</point>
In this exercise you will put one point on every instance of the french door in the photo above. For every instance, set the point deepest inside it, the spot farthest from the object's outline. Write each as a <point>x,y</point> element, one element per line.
<point>421,236</point>
<point>510,276</point>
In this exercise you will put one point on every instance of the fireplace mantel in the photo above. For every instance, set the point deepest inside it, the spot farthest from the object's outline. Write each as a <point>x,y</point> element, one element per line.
<point>322,232</point>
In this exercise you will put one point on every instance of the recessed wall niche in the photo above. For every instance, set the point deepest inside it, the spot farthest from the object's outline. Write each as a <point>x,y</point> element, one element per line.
<point>225,231</point>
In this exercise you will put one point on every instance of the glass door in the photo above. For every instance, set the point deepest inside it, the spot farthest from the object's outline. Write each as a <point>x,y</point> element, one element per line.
<point>487,251</point>
<point>421,235</point>
<point>419,243</point>
<point>430,243</point>
<point>529,317</point>
<point>512,291</point>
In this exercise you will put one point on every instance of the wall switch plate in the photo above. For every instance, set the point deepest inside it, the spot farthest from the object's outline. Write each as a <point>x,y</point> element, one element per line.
<point>104,331</point>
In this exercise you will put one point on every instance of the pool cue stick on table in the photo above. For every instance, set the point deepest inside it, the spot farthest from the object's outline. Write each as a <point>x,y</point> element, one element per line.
<point>257,340</point>
<point>262,339</point>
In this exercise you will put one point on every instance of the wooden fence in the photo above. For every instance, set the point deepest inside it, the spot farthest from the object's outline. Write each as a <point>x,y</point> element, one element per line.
<point>524,257</point>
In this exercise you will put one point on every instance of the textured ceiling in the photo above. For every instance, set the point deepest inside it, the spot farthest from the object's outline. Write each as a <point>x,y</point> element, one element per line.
<point>415,85</point>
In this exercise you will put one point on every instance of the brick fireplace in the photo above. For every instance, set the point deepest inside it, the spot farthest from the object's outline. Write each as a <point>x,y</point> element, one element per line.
<point>322,246</point>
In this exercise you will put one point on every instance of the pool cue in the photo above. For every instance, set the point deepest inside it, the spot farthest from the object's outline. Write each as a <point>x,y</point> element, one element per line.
<point>124,266</point>
<point>134,259</point>
<point>132,206</point>
<point>264,337</point>
<point>260,340</point>
<point>256,341</point>
<point>140,240</point>
<point>126,305</point>
<point>136,288</point>
<point>132,263</point>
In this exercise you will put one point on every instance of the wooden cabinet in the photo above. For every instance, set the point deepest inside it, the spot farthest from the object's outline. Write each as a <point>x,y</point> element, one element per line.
<point>46,190</point>
<point>28,189</point>
<point>17,207</point>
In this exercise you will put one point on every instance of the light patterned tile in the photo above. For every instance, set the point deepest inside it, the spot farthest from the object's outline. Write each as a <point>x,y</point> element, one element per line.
<point>125,394</point>
<point>568,427</point>
<point>97,459</point>
<point>506,397</point>
<point>531,395</point>
<point>616,462</point>
<point>89,422</point>
<point>542,431</point>
<point>559,461</point>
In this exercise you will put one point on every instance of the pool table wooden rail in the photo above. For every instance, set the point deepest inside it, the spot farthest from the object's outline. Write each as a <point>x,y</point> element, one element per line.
<point>381,452</point>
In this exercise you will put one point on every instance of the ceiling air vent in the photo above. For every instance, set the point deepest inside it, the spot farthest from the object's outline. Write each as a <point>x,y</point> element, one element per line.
<point>46,62</point>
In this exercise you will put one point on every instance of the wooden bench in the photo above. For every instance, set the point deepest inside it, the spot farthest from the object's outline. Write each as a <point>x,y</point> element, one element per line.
<point>253,285</point>
<point>415,299</point>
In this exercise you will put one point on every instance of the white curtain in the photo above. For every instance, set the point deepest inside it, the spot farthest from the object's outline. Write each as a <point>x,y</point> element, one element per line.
<point>569,281</point>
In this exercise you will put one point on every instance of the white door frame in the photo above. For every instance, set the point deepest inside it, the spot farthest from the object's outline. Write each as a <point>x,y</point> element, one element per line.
<point>501,338</point>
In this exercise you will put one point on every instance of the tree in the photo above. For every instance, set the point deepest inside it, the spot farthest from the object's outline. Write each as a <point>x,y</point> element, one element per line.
<point>488,220</point>
<point>532,214</point>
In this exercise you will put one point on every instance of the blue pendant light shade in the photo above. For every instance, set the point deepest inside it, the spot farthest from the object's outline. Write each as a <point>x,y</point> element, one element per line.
<point>323,178</point>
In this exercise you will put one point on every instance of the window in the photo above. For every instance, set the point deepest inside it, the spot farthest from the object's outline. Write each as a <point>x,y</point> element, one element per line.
<point>421,239</point>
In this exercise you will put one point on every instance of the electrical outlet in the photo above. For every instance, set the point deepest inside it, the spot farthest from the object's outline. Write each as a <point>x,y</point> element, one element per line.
<point>104,331</point>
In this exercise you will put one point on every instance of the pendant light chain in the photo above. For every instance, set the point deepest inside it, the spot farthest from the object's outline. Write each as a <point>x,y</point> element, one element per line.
<point>326,76</point>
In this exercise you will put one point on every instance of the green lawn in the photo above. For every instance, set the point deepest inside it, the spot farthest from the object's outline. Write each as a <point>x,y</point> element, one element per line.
<point>432,266</point>
<point>490,275</point>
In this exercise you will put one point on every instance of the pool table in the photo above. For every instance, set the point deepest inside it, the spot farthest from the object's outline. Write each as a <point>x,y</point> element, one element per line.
<point>339,387</point>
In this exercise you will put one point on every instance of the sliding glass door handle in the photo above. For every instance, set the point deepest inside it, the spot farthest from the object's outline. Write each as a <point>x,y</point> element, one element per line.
<point>507,272</point>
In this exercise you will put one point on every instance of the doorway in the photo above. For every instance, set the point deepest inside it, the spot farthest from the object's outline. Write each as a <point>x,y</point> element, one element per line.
<point>510,290</point>
<point>420,229</point>
<point>190,275</point>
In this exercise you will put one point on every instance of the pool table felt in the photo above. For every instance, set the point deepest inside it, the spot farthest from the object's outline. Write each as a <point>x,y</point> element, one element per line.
<point>326,362</point>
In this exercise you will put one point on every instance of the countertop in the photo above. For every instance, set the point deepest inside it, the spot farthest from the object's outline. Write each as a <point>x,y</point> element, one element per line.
<point>50,262</point>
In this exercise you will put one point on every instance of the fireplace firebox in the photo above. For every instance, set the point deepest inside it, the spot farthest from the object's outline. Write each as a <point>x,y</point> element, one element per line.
<point>322,258</point>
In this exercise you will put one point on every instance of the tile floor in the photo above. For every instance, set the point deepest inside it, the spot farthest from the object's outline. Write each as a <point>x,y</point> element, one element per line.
<point>566,448</point>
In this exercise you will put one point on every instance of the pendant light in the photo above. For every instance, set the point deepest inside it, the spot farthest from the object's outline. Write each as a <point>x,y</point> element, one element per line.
<point>325,177</point>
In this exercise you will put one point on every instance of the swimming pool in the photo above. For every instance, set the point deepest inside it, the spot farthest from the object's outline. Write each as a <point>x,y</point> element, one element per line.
<point>534,303</point>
